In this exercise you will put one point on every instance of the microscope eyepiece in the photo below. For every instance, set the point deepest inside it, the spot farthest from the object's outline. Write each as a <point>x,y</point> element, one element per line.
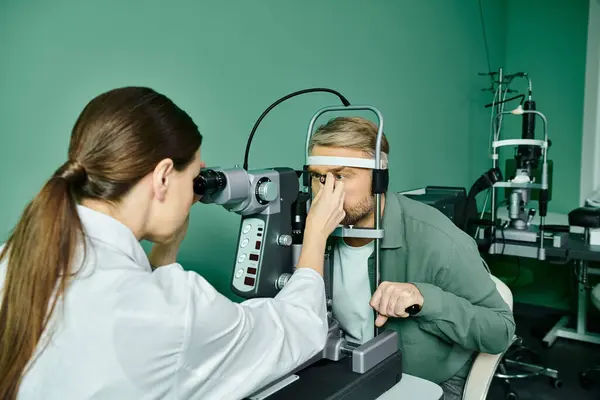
<point>209,182</point>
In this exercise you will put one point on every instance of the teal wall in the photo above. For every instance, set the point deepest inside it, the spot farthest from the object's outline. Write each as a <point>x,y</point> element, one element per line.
<point>225,62</point>
<point>548,39</point>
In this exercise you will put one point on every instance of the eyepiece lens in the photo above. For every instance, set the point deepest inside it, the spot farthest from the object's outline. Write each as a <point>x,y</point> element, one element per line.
<point>209,182</point>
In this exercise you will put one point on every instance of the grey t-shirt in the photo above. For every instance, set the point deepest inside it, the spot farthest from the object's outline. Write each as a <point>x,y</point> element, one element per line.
<point>352,292</point>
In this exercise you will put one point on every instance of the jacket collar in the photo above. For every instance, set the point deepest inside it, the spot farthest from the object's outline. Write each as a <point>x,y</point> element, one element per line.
<point>393,223</point>
<point>100,227</point>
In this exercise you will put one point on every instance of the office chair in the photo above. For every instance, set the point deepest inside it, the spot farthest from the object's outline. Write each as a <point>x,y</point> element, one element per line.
<point>485,365</point>
<point>512,367</point>
<point>511,364</point>
<point>489,366</point>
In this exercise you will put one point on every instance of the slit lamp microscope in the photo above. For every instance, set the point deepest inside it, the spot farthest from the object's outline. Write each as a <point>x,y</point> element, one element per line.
<point>273,211</point>
<point>529,175</point>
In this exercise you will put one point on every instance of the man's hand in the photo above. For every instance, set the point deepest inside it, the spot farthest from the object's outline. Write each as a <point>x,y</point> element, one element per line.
<point>392,298</point>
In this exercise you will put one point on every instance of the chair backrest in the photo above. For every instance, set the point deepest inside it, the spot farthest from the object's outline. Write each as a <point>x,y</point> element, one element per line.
<point>504,291</point>
<point>595,296</point>
<point>485,365</point>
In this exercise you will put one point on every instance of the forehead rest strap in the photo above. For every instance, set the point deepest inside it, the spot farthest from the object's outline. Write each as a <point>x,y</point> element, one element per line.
<point>315,161</point>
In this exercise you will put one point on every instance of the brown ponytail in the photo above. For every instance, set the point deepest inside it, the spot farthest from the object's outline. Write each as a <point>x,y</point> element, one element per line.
<point>34,273</point>
<point>120,137</point>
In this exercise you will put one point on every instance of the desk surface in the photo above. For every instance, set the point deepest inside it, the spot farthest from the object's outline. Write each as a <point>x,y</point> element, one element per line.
<point>411,387</point>
<point>575,248</point>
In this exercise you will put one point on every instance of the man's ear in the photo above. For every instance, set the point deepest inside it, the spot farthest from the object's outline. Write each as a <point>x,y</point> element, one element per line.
<point>161,178</point>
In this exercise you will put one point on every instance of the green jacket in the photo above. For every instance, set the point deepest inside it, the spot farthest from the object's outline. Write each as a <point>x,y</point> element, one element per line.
<point>462,311</point>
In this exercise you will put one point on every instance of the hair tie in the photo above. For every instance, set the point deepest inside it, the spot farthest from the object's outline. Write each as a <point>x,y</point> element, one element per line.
<point>73,172</point>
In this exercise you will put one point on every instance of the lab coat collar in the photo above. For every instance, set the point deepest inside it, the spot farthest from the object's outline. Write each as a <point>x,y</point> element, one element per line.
<point>113,233</point>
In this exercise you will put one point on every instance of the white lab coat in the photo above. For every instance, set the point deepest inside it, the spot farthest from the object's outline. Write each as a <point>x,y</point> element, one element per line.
<point>126,332</point>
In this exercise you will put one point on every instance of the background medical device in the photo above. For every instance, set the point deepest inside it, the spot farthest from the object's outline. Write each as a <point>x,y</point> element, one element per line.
<point>274,207</point>
<point>526,178</point>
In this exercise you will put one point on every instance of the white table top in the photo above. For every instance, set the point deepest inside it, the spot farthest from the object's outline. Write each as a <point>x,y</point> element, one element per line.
<point>411,387</point>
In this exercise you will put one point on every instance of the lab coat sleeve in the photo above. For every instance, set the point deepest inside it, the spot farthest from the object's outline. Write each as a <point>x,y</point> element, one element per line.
<point>230,350</point>
<point>464,306</point>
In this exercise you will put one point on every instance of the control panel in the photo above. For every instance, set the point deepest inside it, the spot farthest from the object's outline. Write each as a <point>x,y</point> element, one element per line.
<point>249,254</point>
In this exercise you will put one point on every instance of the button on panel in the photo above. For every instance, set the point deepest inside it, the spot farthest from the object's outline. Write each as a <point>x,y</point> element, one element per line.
<point>252,232</point>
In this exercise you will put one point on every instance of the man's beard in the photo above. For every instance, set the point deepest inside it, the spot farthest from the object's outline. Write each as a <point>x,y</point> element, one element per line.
<point>359,211</point>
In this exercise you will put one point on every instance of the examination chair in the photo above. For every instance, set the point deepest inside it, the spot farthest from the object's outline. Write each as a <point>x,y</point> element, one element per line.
<point>485,365</point>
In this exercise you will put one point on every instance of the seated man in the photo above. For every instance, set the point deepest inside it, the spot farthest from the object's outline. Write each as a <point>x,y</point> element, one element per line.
<point>425,260</point>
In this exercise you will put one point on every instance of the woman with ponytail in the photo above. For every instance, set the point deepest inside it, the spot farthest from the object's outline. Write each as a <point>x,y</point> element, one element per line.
<point>85,314</point>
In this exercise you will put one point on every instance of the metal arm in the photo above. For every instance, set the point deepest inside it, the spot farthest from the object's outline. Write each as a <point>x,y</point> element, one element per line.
<point>378,217</point>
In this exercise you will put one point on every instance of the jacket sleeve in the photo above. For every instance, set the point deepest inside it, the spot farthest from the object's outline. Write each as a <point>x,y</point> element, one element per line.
<point>230,350</point>
<point>464,306</point>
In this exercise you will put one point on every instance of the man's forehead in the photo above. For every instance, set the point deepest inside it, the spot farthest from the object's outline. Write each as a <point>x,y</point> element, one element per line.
<point>323,169</point>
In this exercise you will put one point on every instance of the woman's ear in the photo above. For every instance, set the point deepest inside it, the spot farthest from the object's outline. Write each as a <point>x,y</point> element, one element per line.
<point>161,178</point>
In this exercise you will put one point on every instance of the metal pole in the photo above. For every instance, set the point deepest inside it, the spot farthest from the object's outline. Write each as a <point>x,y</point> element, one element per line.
<point>495,157</point>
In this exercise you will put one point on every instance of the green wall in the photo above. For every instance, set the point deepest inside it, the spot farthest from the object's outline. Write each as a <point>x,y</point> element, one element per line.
<point>548,39</point>
<point>225,62</point>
